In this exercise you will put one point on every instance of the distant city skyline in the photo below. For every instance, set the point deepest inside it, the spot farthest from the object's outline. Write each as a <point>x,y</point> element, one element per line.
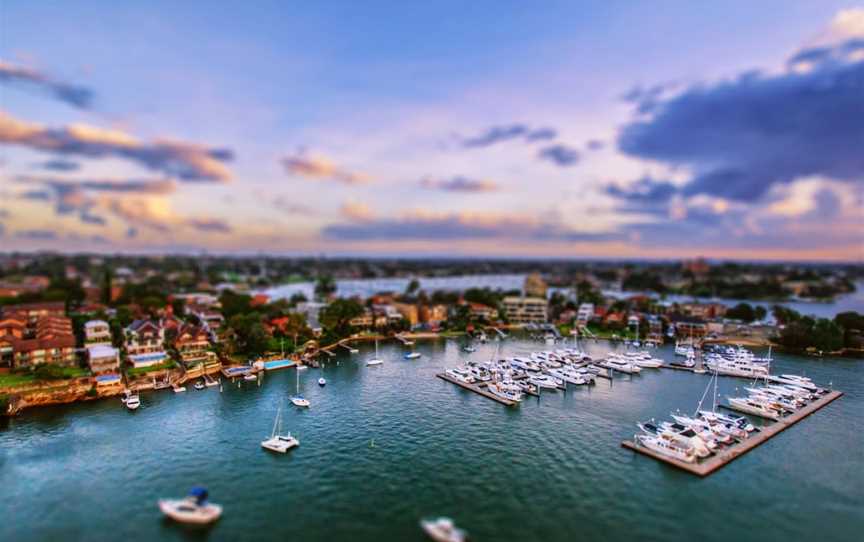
<point>560,130</point>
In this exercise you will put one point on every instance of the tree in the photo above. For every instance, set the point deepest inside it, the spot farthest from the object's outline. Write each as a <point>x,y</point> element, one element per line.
<point>742,311</point>
<point>412,287</point>
<point>106,286</point>
<point>234,303</point>
<point>325,287</point>
<point>298,297</point>
<point>337,315</point>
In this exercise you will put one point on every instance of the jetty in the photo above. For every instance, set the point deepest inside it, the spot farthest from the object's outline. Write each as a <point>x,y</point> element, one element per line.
<point>479,389</point>
<point>725,456</point>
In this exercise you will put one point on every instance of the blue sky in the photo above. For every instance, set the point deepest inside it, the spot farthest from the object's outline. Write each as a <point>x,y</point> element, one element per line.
<point>564,129</point>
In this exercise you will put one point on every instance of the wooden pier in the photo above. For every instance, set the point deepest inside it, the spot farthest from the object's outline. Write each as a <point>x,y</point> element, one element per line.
<point>707,466</point>
<point>476,388</point>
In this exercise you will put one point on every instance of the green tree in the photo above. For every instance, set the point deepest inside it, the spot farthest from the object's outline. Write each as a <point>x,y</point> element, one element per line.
<point>325,287</point>
<point>742,311</point>
<point>337,315</point>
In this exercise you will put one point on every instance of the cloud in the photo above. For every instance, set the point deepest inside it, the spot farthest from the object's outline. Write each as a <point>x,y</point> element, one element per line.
<point>209,225</point>
<point>594,144</point>
<point>741,137</point>
<point>459,184</point>
<point>135,185</point>
<point>59,165</point>
<point>36,235</point>
<point>560,155</point>
<point>319,167</point>
<point>287,205</point>
<point>74,95</point>
<point>357,212</point>
<point>645,190</point>
<point>185,161</point>
<point>497,134</point>
<point>418,224</point>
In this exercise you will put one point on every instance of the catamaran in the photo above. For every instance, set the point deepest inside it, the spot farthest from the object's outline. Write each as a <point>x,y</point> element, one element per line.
<point>376,360</point>
<point>278,442</point>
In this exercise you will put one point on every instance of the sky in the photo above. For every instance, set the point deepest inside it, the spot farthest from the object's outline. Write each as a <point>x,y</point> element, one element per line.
<point>604,129</point>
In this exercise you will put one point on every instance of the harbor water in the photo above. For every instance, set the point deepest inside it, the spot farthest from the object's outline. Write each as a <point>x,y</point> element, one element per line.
<point>383,446</point>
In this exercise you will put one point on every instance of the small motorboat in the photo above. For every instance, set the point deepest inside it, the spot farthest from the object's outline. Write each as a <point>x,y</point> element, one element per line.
<point>443,530</point>
<point>199,385</point>
<point>250,377</point>
<point>374,361</point>
<point>179,389</point>
<point>322,382</point>
<point>132,401</point>
<point>469,348</point>
<point>412,355</point>
<point>192,509</point>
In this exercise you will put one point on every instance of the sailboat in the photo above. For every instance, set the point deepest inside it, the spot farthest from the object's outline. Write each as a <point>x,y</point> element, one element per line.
<point>297,399</point>
<point>376,360</point>
<point>278,442</point>
<point>412,354</point>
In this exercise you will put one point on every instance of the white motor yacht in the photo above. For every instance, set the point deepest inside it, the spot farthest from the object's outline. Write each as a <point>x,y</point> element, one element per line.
<point>754,406</point>
<point>545,381</point>
<point>505,392</point>
<point>621,366</point>
<point>461,374</point>
<point>668,448</point>
<point>193,509</point>
<point>443,530</point>
<point>132,401</point>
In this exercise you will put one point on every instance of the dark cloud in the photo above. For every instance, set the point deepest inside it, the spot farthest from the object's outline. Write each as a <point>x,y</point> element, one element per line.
<point>36,235</point>
<point>458,227</point>
<point>74,95</point>
<point>185,161</point>
<point>59,165</point>
<point>135,185</point>
<point>497,134</point>
<point>743,136</point>
<point>561,155</point>
<point>459,184</point>
<point>645,190</point>
<point>594,145</point>
<point>209,225</point>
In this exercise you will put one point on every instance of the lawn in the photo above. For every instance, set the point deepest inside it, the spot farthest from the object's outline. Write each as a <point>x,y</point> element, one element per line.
<point>15,380</point>
<point>136,371</point>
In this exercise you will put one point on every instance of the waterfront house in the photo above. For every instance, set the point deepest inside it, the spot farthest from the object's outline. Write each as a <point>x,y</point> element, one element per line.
<point>433,315</point>
<point>144,337</point>
<point>25,342</point>
<point>31,312</point>
<point>193,345</point>
<point>145,343</point>
<point>483,312</point>
<point>526,310</point>
<point>409,312</point>
<point>97,332</point>
<point>103,359</point>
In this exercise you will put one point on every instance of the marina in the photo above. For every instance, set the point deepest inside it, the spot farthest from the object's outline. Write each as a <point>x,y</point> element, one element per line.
<point>723,458</point>
<point>399,421</point>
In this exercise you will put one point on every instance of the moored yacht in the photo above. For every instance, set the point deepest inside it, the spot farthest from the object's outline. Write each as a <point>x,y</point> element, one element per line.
<point>667,447</point>
<point>754,406</point>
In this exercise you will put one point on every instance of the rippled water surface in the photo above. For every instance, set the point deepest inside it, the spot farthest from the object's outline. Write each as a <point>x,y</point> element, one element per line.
<point>383,446</point>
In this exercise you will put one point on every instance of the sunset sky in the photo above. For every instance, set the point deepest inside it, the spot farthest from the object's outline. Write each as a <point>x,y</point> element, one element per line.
<point>553,129</point>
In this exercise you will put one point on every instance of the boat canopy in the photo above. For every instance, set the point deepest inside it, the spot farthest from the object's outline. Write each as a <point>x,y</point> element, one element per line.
<point>200,494</point>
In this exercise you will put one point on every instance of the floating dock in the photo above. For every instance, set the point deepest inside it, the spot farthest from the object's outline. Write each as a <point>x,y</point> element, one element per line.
<point>476,388</point>
<point>729,453</point>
